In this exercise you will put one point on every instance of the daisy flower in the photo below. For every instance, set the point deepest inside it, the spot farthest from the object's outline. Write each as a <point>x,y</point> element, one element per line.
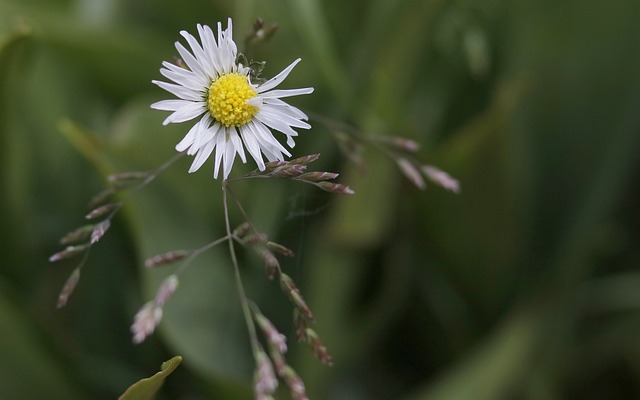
<point>233,112</point>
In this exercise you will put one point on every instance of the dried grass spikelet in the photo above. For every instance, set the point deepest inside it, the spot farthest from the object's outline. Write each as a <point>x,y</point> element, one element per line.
<point>77,235</point>
<point>68,288</point>
<point>265,381</point>
<point>169,257</point>
<point>293,293</point>
<point>274,337</point>
<point>68,252</point>
<point>318,347</point>
<point>295,383</point>
<point>145,321</point>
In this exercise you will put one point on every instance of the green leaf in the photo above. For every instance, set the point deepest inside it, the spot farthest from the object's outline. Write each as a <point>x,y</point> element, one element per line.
<point>315,30</point>
<point>477,230</point>
<point>30,370</point>
<point>202,321</point>
<point>495,368</point>
<point>121,61</point>
<point>145,389</point>
<point>362,220</point>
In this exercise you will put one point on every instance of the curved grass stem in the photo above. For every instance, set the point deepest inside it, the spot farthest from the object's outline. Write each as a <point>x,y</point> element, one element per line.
<point>244,301</point>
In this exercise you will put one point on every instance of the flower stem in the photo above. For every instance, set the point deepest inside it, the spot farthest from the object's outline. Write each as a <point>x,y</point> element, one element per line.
<point>244,301</point>
<point>199,251</point>
<point>242,211</point>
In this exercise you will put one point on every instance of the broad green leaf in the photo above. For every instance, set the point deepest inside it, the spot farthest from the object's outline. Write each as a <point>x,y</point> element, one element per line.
<point>146,389</point>
<point>178,211</point>
<point>316,32</point>
<point>493,369</point>
<point>475,233</point>
<point>362,219</point>
<point>14,50</point>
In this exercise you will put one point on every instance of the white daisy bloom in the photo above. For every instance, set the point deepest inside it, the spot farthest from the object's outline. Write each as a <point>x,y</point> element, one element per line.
<point>234,113</point>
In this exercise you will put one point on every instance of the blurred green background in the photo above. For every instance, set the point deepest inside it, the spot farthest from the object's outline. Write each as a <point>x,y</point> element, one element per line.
<point>524,286</point>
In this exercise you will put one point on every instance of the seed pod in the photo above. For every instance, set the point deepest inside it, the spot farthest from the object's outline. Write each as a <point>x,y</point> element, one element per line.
<point>99,230</point>
<point>317,176</point>
<point>278,248</point>
<point>274,337</point>
<point>102,210</point>
<point>166,258</point>
<point>101,197</point>
<point>288,171</point>
<point>166,290</point>
<point>77,235</point>
<point>295,384</point>
<point>319,349</point>
<point>68,252</point>
<point>300,325</point>
<point>292,291</point>
<point>441,178</point>
<point>270,166</point>
<point>145,321</point>
<point>305,160</point>
<point>255,238</point>
<point>411,172</point>
<point>265,379</point>
<point>271,263</point>
<point>334,188</point>
<point>68,288</point>
<point>242,229</point>
<point>403,144</point>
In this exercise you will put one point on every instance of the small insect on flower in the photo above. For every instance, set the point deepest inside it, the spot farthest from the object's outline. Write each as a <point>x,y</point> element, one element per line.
<point>234,112</point>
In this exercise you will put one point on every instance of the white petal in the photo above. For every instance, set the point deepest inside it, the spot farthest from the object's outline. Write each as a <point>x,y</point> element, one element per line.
<point>266,139</point>
<point>276,80</point>
<point>197,50</point>
<point>192,134</point>
<point>286,92</point>
<point>227,50</point>
<point>202,156</point>
<point>203,137</point>
<point>290,142</point>
<point>229,30</point>
<point>293,111</point>
<point>220,35</point>
<point>186,113</point>
<point>252,145</point>
<point>221,142</point>
<point>206,134</point>
<point>229,158</point>
<point>287,112</point>
<point>211,48</point>
<point>191,61</point>
<point>184,78</point>
<point>170,105</point>
<point>276,113</point>
<point>202,79</point>
<point>265,149</point>
<point>237,143</point>
<point>180,91</point>
<point>255,101</point>
<point>275,123</point>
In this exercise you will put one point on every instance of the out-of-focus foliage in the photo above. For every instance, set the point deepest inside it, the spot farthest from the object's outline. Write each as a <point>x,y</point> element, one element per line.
<point>524,286</point>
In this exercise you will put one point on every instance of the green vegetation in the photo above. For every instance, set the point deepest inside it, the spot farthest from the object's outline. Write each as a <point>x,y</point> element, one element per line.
<point>526,285</point>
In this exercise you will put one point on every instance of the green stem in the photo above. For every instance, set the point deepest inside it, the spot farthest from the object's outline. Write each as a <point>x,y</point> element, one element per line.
<point>244,301</point>
<point>199,251</point>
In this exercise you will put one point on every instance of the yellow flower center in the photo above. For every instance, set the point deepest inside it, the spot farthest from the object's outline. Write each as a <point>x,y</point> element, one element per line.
<point>227,100</point>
